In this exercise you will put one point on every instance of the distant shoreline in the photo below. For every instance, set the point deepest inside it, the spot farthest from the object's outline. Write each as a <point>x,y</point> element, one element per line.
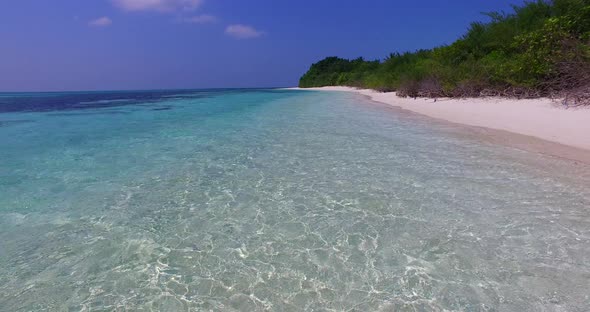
<point>538,125</point>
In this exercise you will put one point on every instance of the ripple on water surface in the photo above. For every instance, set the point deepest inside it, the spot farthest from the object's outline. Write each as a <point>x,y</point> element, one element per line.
<point>282,201</point>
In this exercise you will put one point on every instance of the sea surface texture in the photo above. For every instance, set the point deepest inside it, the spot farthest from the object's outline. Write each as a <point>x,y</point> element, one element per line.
<point>272,200</point>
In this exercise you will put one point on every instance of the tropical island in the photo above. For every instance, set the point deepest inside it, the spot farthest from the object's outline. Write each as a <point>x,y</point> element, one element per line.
<point>522,78</point>
<point>541,49</point>
<point>149,160</point>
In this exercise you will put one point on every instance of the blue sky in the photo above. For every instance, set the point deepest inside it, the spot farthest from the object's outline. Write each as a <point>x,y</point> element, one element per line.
<point>154,44</point>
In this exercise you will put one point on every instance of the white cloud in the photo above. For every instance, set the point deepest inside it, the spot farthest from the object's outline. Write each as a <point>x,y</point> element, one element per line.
<point>158,5</point>
<point>101,22</point>
<point>200,19</point>
<point>243,31</point>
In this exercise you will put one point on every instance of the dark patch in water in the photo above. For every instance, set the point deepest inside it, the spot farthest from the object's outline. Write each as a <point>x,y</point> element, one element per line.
<point>6,123</point>
<point>162,108</point>
<point>47,102</point>
<point>91,113</point>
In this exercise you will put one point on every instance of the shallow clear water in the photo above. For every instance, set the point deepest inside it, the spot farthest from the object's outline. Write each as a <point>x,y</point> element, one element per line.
<point>277,200</point>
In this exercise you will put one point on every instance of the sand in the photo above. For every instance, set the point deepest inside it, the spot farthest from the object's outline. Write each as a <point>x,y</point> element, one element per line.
<point>543,125</point>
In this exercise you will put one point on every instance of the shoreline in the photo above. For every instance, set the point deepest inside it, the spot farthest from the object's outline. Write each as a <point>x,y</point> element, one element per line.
<point>536,125</point>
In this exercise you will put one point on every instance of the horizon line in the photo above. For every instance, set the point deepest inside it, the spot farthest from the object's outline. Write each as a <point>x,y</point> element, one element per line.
<point>145,90</point>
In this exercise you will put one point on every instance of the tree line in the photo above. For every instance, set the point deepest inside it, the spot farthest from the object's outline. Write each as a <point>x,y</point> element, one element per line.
<point>541,48</point>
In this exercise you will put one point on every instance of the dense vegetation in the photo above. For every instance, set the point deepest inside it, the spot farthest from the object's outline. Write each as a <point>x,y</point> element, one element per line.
<point>542,48</point>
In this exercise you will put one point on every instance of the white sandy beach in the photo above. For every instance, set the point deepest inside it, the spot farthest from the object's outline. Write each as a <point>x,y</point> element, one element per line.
<point>538,118</point>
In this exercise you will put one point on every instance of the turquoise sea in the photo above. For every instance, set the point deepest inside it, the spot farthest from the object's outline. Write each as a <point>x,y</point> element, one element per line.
<point>276,200</point>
